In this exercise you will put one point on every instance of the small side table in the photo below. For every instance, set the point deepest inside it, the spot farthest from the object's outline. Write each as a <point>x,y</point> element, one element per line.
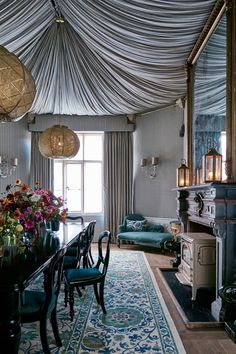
<point>174,246</point>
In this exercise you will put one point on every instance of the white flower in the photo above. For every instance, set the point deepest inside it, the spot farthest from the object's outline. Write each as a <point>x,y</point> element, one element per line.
<point>35,198</point>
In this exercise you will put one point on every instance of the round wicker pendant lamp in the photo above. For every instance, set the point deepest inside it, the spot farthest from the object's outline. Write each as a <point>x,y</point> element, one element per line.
<point>59,142</point>
<point>17,87</point>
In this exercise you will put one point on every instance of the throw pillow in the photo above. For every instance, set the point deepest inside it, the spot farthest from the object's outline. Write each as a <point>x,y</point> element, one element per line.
<point>136,225</point>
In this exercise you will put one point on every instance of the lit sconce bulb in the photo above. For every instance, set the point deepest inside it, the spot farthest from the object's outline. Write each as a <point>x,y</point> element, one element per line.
<point>154,161</point>
<point>149,166</point>
<point>143,162</point>
<point>14,162</point>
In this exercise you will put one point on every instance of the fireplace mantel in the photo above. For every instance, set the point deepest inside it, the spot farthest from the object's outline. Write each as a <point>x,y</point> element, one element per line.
<point>211,208</point>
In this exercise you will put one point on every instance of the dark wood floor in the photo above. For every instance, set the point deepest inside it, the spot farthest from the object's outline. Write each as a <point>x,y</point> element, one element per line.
<point>200,340</point>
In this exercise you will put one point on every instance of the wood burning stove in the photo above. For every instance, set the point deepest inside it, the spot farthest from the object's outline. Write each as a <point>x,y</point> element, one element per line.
<point>198,261</point>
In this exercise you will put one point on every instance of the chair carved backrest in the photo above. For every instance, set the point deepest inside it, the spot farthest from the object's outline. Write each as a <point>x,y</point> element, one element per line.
<point>103,253</point>
<point>82,248</point>
<point>89,229</point>
<point>52,279</point>
<point>89,235</point>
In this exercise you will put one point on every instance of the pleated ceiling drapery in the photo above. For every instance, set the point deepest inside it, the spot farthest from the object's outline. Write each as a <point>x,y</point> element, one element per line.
<point>109,57</point>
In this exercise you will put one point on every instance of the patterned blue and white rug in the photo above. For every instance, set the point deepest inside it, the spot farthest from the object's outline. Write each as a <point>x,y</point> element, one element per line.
<point>137,319</point>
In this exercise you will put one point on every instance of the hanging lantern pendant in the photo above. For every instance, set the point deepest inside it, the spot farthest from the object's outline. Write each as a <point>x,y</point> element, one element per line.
<point>182,175</point>
<point>59,142</point>
<point>17,87</point>
<point>212,164</point>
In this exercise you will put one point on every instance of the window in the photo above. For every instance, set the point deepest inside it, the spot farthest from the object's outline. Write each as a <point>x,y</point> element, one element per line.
<point>80,180</point>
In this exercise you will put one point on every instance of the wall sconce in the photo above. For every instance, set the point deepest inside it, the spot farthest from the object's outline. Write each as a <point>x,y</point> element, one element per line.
<point>149,166</point>
<point>182,175</point>
<point>212,166</point>
<point>7,166</point>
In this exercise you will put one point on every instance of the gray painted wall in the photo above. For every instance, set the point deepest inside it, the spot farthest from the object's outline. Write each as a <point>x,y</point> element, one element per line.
<point>15,140</point>
<point>157,134</point>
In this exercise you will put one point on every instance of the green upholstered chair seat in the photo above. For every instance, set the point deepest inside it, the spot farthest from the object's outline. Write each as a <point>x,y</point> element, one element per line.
<point>83,274</point>
<point>33,301</point>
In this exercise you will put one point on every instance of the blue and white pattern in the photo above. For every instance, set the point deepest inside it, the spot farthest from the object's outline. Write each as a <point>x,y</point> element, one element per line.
<point>137,319</point>
<point>136,225</point>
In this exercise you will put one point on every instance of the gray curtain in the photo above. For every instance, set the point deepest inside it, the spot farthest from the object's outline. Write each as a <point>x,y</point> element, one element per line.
<point>41,168</point>
<point>118,178</point>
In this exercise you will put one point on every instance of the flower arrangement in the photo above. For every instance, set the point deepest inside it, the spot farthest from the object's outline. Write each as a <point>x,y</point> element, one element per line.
<point>28,208</point>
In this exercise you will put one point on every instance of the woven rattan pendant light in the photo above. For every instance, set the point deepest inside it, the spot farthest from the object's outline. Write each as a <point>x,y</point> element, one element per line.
<point>59,142</point>
<point>17,87</point>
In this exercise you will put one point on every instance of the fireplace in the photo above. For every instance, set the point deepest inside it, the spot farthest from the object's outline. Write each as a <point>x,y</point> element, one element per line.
<point>211,209</point>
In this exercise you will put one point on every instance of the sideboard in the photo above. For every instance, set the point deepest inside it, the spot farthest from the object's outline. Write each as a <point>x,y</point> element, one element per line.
<point>211,208</point>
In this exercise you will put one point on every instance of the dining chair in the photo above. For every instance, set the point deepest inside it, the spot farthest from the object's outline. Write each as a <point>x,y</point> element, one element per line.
<point>42,305</point>
<point>71,258</point>
<point>81,277</point>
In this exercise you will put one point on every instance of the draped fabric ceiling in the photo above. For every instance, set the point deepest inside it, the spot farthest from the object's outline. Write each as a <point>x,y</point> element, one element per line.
<point>210,75</point>
<point>109,57</point>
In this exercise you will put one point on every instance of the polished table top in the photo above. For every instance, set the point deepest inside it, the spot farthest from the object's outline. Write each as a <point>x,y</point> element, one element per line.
<point>27,265</point>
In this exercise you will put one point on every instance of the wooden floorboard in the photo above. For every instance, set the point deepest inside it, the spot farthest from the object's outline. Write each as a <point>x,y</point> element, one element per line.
<point>197,340</point>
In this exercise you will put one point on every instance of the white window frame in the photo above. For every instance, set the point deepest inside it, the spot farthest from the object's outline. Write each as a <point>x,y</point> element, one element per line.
<point>82,163</point>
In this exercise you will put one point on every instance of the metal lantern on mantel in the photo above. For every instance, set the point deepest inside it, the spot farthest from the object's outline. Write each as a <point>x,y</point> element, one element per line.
<point>212,166</point>
<point>17,87</point>
<point>59,142</point>
<point>182,175</point>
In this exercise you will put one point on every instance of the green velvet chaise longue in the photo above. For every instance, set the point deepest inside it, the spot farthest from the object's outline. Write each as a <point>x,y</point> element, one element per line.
<point>136,229</point>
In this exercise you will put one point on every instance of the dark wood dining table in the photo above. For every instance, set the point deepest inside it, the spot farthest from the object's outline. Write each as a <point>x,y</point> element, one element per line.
<point>15,277</point>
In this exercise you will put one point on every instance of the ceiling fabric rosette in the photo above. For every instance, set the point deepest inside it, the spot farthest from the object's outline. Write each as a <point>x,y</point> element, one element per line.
<point>108,57</point>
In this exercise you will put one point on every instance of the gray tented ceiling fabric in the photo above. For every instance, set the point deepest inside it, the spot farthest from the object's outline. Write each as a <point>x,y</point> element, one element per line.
<point>109,57</point>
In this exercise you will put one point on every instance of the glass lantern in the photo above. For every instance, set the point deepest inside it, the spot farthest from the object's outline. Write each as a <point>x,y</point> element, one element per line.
<point>182,179</point>
<point>212,166</point>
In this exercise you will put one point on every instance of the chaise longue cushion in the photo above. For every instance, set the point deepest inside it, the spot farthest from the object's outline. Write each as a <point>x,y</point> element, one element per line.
<point>140,232</point>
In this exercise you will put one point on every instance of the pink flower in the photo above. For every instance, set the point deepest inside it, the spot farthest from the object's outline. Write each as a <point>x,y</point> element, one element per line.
<point>29,224</point>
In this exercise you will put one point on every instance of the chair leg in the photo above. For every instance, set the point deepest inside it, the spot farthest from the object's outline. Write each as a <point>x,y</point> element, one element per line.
<point>78,290</point>
<point>43,336</point>
<point>55,327</point>
<point>95,287</point>
<point>71,302</point>
<point>66,295</point>
<point>101,295</point>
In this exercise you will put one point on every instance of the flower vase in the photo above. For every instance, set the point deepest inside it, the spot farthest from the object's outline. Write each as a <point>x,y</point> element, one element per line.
<point>55,225</point>
<point>48,225</point>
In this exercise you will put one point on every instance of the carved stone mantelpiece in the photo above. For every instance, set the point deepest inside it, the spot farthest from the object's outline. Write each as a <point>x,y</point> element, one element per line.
<point>211,208</point>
